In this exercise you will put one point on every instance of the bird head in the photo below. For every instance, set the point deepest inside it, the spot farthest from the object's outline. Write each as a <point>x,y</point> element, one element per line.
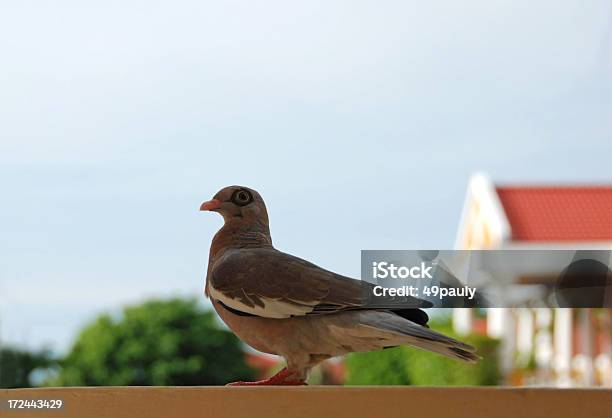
<point>238,203</point>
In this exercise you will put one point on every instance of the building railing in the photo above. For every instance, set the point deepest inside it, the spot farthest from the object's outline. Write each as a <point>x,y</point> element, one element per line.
<point>311,402</point>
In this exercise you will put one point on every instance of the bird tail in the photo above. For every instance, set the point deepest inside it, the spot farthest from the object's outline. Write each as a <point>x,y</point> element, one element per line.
<point>399,331</point>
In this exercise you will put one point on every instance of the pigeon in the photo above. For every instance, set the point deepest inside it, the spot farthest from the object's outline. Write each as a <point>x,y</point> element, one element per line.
<point>281,304</point>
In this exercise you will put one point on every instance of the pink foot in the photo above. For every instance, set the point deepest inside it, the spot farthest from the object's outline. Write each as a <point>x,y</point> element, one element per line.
<point>282,378</point>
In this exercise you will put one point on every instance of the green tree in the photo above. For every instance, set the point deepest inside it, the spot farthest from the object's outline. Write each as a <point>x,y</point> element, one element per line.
<point>410,366</point>
<point>172,342</point>
<point>17,365</point>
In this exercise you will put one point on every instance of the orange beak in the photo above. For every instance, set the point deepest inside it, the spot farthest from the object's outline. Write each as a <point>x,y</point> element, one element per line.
<point>211,205</point>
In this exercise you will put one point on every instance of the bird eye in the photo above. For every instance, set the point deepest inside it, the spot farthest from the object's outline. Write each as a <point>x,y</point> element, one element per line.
<point>242,197</point>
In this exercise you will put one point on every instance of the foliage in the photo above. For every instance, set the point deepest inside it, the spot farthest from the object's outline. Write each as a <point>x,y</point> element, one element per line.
<point>172,342</point>
<point>409,366</point>
<point>16,366</point>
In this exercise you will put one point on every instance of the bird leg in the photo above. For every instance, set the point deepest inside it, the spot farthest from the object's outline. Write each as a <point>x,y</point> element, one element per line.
<point>282,378</point>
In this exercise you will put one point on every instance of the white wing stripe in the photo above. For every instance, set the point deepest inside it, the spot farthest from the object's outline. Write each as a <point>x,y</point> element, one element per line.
<point>272,308</point>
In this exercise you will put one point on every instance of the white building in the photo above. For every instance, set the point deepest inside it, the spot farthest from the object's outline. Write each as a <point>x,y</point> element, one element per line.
<point>569,347</point>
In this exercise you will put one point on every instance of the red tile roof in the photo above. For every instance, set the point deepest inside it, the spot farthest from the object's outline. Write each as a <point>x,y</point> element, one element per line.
<point>558,213</point>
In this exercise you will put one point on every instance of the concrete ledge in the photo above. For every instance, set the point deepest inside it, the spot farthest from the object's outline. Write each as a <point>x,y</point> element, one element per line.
<point>314,402</point>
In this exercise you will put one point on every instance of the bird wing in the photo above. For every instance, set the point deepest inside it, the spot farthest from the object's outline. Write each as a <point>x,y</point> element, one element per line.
<point>269,283</point>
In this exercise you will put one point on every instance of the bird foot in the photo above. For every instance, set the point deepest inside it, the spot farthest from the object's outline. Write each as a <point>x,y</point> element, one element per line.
<point>282,378</point>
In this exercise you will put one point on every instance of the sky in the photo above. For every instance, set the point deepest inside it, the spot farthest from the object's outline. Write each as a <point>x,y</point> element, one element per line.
<point>359,122</point>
